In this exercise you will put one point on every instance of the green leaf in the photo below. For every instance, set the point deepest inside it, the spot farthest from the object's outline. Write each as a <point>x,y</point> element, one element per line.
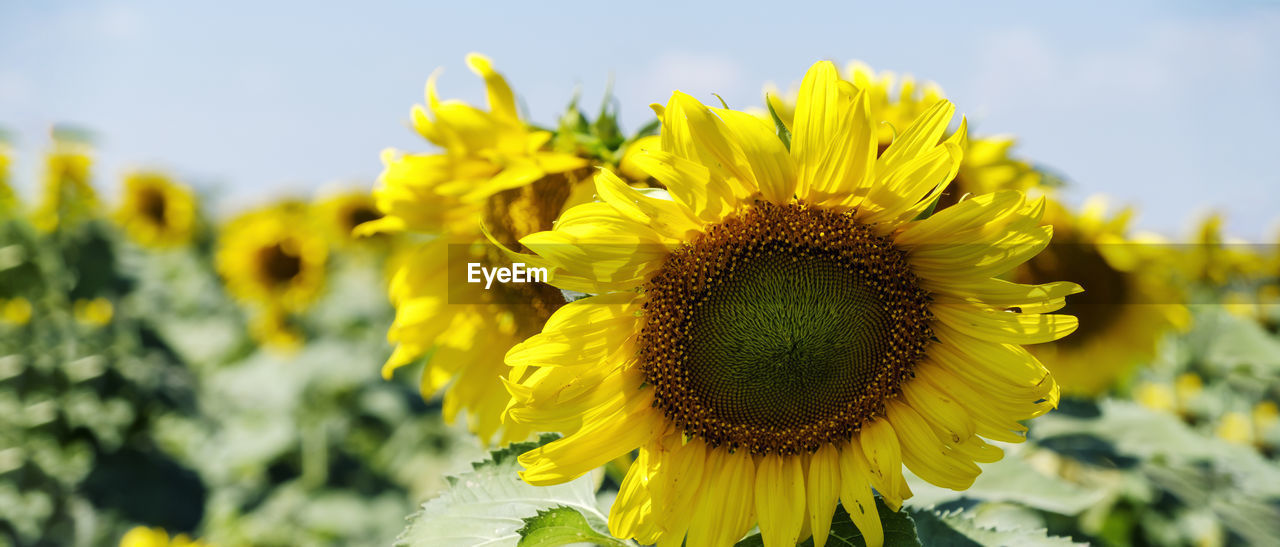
<point>490,504</point>
<point>1051,178</point>
<point>606,126</point>
<point>1233,481</point>
<point>958,529</point>
<point>563,526</point>
<point>1135,431</point>
<point>1006,481</point>
<point>928,212</point>
<point>899,530</point>
<point>1233,344</point>
<point>650,128</point>
<point>783,133</point>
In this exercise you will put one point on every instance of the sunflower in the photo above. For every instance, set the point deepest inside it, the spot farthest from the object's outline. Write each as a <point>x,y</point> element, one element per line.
<point>896,101</point>
<point>1218,261</point>
<point>341,213</point>
<point>8,199</point>
<point>141,536</point>
<point>485,153</point>
<point>783,332</point>
<point>1129,305</point>
<point>273,260</point>
<point>496,177</point>
<point>66,195</point>
<point>1229,270</point>
<point>157,212</point>
<point>93,312</point>
<point>15,311</point>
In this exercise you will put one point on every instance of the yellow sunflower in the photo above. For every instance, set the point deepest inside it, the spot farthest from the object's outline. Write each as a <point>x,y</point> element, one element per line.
<point>94,312</point>
<point>141,536</point>
<point>66,195</point>
<point>343,212</point>
<point>781,333</point>
<point>1129,305</point>
<point>273,258</point>
<point>8,199</point>
<point>484,153</point>
<point>15,311</point>
<point>1232,271</point>
<point>157,211</point>
<point>494,171</point>
<point>896,101</point>
<point>1216,260</point>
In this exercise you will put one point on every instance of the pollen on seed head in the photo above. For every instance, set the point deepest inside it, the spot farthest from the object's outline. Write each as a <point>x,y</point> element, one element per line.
<point>781,329</point>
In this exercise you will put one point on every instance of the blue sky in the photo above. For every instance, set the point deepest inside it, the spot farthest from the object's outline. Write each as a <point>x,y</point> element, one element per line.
<point>1169,106</point>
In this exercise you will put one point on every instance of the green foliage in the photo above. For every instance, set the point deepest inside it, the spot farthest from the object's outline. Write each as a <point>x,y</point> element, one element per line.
<point>957,529</point>
<point>1006,481</point>
<point>489,505</point>
<point>601,139</point>
<point>170,415</point>
<point>80,399</point>
<point>562,525</point>
<point>1133,431</point>
<point>1234,482</point>
<point>783,133</point>
<point>899,530</point>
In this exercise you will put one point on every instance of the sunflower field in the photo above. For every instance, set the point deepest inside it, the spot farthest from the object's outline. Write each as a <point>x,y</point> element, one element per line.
<point>840,316</point>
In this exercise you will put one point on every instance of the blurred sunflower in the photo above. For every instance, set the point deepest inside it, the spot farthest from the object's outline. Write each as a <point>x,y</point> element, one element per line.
<point>275,328</point>
<point>496,177</point>
<point>779,333</point>
<point>1216,260</point>
<point>273,259</point>
<point>157,212</point>
<point>8,199</point>
<point>66,196</point>
<point>1129,301</point>
<point>896,101</point>
<point>1239,275</point>
<point>485,153</point>
<point>343,212</point>
<point>93,312</point>
<point>15,311</point>
<point>141,536</point>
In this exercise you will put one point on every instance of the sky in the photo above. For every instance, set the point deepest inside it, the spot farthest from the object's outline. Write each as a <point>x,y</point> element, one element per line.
<point>1168,106</point>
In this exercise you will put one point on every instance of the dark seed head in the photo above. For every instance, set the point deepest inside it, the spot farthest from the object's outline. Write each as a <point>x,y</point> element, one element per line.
<point>781,329</point>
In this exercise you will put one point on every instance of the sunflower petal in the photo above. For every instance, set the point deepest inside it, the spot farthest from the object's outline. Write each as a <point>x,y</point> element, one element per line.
<point>856,495</point>
<point>817,116</point>
<point>772,171</point>
<point>595,444</point>
<point>780,500</point>
<point>884,459</point>
<point>1002,326</point>
<point>722,519</point>
<point>923,134</point>
<point>822,491</point>
<point>924,453</point>
<point>665,217</point>
<point>502,101</point>
<point>700,190</point>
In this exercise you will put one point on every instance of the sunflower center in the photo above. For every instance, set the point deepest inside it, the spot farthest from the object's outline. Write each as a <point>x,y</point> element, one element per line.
<point>279,265</point>
<point>152,204</point>
<point>511,215</point>
<point>361,215</point>
<point>1106,289</point>
<point>518,212</point>
<point>781,329</point>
